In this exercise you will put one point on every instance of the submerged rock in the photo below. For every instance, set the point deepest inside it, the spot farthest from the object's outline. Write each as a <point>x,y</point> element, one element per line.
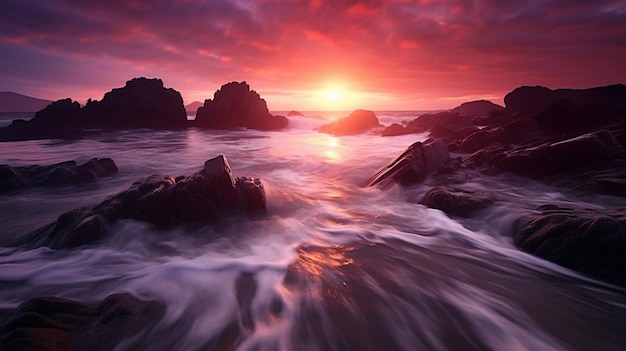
<point>62,173</point>
<point>413,165</point>
<point>357,122</point>
<point>590,241</point>
<point>209,194</point>
<point>53,323</point>
<point>234,105</point>
<point>456,201</point>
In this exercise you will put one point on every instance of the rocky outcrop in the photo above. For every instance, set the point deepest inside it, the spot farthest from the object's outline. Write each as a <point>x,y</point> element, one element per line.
<point>413,165</point>
<point>456,201</point>
<point>207,195</point>
<point>59,120</point>
<point>478,108</point>
<point>141,103</point>
<point>234,105</point>
<point>586,240</point>
<point>357,122</point>
<point>64,173</point>
<point>52,323</point>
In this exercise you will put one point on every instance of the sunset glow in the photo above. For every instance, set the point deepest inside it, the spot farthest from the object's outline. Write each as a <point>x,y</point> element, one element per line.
<point>392,54</point>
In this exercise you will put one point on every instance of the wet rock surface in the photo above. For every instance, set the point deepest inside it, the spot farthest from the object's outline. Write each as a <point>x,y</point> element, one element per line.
<point>233,106</point>
<point>587,240</point>
<point>456,201</point>
<point>413,165</point>
<point>53,323</point>
<point>207,195</point>
<point>64,173</point>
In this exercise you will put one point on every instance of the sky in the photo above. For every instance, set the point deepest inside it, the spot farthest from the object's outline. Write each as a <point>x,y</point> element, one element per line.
<point>313,54</point>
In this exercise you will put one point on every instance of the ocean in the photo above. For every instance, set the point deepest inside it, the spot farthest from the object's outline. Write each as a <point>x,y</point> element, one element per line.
<point>333,265</point>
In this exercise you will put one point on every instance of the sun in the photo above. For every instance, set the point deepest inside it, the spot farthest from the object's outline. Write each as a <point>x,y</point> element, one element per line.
<point>333,95</point>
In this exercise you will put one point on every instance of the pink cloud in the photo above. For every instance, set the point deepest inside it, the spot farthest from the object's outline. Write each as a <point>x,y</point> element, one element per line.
<point>411,51</point>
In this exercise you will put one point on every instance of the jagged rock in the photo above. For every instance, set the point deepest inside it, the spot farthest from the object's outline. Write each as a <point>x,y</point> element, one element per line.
<point>62,173</point>
<point>358,122</point>
<point>234,105</point>
<point>209,194</point>
<point>413,165</point>
<point>59,120</point>
<point>456,201</point>
<point>53,323</point>
<point>141,103</point>
<point>586,240</point>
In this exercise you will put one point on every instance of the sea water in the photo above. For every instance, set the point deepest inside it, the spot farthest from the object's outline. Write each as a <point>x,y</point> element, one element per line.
<point>333,265</point>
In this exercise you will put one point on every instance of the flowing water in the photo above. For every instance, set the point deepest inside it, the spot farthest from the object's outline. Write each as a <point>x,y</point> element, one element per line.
<point>333,265</point>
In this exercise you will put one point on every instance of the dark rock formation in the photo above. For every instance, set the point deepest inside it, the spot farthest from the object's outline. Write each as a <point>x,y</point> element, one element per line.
<point>529,100</point>
<point>59,120</point>
<point>358,122</point>
<point>210,194</point>
<point>141,103</point>
<point>456,201</point>
<point>52,323</point>
<point>295,114</point>
<point>234,105</point>
<point>413,165</point>
<point>478,108</point>
<point>63,173</point>
<point>453,125</point>
<point>588,241</point>
<point>193,107</point>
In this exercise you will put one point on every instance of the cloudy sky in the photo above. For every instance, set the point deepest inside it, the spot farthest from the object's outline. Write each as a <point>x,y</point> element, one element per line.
<point>313,54</point>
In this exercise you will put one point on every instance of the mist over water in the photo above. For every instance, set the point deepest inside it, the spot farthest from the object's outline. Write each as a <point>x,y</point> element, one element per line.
<point>333,265</point>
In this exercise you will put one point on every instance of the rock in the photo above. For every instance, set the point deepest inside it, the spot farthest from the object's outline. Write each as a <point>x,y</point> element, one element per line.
<point>456,201</point>
<point>529,100</point>
<point>234,105</point>
<point>295,114</point>
<point>141,103</point>
<point>413,165</point>
<point>59,120</point>
<point>560,157</point>
<point>64,173</point>
<point>358,122</point>
<point>53,323</point>
<point>585,240</point>
<point>449,126</point>
<point>478,108</point>
<point>207,195</point>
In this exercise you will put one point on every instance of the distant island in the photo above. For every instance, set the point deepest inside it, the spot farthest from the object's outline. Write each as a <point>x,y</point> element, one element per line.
<point>14,102</point>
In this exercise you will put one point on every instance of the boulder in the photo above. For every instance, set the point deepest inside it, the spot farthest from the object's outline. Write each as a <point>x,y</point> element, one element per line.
<point>233,106</point>
<point>591,241</point>
<point>413,165</point>
<point>449,126</point>
<point>53,323</point>
<point>457,201</point>
<point>295,114</point>
<point>207,195</point>
<point>63,173</point>
<point>357,122</point>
